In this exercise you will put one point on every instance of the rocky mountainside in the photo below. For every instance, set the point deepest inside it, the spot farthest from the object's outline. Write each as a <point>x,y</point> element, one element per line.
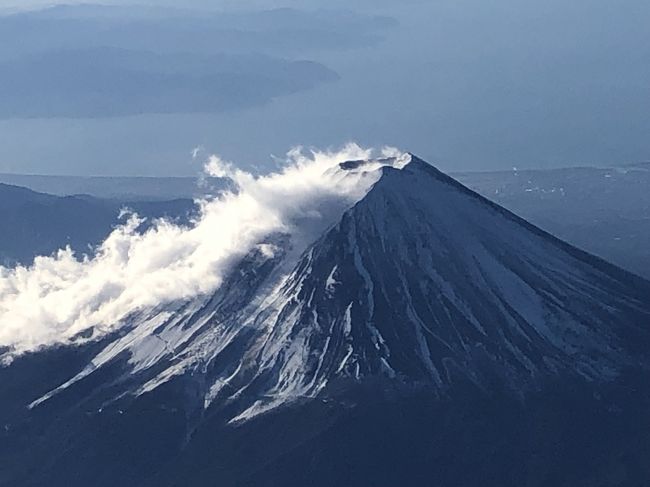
<point>429,337</point>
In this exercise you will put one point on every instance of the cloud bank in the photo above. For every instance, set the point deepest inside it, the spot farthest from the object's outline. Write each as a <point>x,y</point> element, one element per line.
<point>62,296</point>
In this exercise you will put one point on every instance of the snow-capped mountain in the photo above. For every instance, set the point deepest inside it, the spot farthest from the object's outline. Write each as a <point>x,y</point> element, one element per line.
<point>422,287</point>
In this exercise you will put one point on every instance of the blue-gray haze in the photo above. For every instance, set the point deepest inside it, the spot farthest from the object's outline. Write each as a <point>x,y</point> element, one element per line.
<point>469,84</point>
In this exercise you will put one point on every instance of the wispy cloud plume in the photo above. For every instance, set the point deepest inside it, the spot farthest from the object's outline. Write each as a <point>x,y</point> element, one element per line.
<point>61,296</point>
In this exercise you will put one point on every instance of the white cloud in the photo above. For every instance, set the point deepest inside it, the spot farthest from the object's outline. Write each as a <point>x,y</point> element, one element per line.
<point>60,296</point>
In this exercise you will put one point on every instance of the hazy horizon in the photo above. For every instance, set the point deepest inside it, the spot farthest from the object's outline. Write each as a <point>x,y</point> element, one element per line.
<point>467,86</point>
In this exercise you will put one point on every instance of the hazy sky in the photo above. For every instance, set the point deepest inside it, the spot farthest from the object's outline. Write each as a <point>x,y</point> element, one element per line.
<point>204,4</point>
<point>467,84</point>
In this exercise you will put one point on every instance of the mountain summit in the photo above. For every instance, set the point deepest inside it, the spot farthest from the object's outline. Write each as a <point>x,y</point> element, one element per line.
<point>423,280</point>
<point>424,306</point>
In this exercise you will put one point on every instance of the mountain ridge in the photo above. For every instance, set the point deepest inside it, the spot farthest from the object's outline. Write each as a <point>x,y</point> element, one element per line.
<point>308,330</point>
<point>422,321</point>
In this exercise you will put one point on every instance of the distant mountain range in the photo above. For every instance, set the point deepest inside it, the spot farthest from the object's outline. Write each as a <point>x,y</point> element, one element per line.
<point>429,337</point>
<point>34,223</point>
<point>125,188</point>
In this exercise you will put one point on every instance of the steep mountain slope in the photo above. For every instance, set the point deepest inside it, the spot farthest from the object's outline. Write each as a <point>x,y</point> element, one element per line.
<point>427,320</point>
<point>605,211</point>
<point>423,280</point>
